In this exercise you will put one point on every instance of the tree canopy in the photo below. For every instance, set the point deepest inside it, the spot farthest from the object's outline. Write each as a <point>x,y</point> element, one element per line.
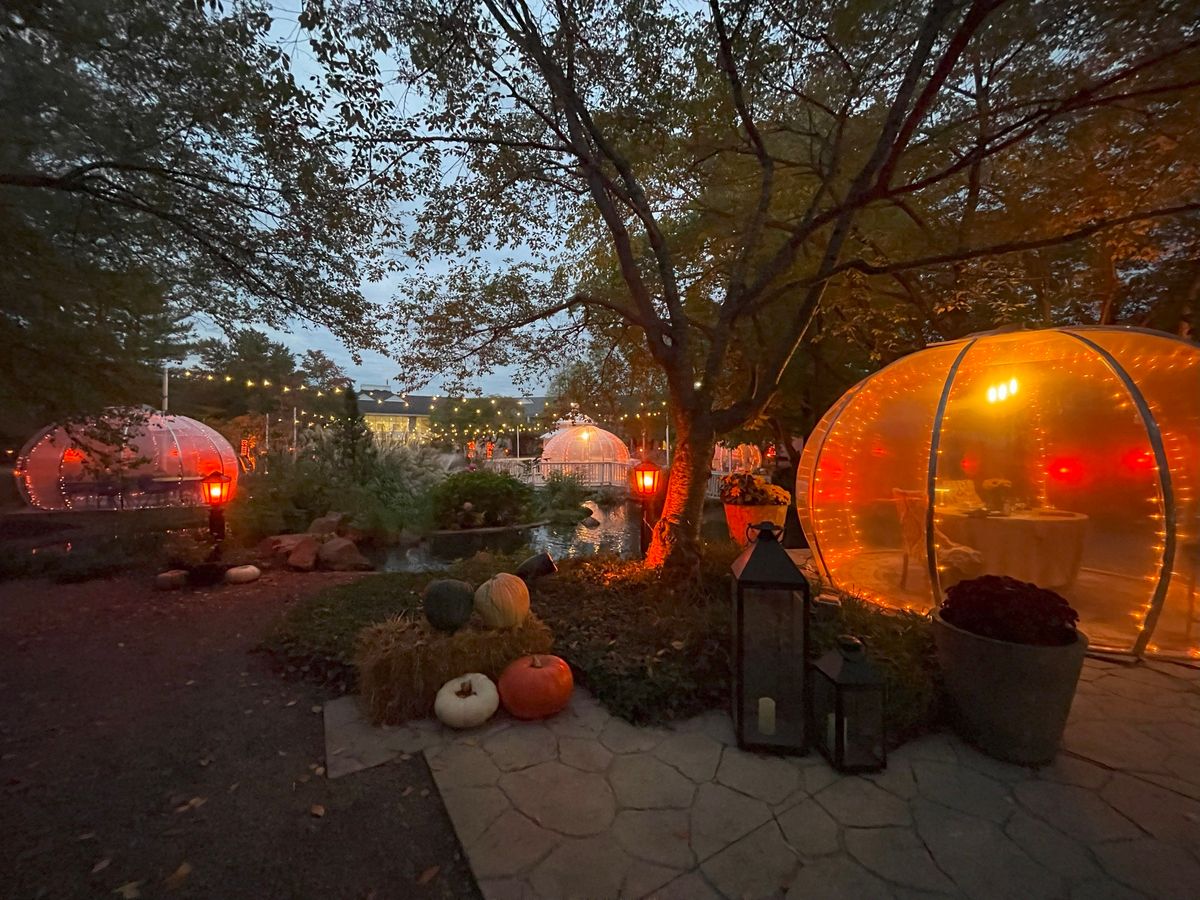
<point>165,162</point>
<point>727,182</point>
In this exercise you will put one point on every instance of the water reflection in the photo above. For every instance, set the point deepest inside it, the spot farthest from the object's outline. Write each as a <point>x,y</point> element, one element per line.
<point>617,534</point>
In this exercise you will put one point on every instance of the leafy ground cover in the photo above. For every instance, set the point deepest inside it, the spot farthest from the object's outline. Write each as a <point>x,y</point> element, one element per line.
<point>650,652</point>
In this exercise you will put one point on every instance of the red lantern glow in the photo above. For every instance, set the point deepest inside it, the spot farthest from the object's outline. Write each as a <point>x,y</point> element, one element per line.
<point>1066,469</point>
<point>72,454</point>
<point>1138,460</point>
<point>969,465</point>
<point>214,487</point>
<point>644,478</point>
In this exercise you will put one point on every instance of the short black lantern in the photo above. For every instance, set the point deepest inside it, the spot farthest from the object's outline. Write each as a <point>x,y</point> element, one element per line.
<point>848,707</point>
<point>771,600</point>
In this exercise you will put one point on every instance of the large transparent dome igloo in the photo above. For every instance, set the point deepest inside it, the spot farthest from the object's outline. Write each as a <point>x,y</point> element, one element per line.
<point>1095,431</point>
<point>584,443</point>
<point>161,465</point>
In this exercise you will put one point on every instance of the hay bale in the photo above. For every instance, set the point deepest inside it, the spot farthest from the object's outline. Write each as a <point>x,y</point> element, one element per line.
<point>402,662</point>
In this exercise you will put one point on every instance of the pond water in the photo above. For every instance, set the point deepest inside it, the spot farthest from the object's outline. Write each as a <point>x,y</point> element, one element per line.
<point>617,534</point>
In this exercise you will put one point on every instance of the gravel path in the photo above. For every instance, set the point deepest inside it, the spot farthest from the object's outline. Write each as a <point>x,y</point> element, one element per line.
<point>145,751</point>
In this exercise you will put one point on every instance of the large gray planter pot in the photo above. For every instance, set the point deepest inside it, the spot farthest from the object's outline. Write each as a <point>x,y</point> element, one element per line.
<point>1011,700</point>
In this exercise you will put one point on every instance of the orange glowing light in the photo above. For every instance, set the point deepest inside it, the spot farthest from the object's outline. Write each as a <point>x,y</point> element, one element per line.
<point>644,478</point>
<point>72,454</point>
<point>214,488</point>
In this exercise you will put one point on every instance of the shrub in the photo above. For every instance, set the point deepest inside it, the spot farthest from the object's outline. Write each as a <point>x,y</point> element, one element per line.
<point>1005,609</point>
<point>480,499</point>
<point>745,489</point>
<point>562,492</point>
<point>384,492</point>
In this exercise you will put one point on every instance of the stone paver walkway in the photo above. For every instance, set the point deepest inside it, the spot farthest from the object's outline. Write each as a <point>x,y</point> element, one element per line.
<point>585,805</point>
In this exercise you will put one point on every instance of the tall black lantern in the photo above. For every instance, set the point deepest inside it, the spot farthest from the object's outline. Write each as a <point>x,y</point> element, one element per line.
<point>848,705</point>
<point>771,602</point>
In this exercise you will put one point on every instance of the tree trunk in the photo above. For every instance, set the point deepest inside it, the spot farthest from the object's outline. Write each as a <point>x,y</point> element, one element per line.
<point>675,545</point>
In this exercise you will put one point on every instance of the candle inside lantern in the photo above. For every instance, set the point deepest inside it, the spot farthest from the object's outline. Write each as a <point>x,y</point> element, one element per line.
<point>831,733</point>
<point>766,715</point>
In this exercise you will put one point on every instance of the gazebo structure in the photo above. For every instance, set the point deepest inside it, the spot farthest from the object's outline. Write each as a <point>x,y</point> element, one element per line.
<point>587,452</point>
<point>1065,457</point>
<point>742,458</point>
<point>160,464</point>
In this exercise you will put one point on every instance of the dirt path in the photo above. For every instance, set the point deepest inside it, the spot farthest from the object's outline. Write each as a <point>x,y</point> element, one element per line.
<point>143,747</point>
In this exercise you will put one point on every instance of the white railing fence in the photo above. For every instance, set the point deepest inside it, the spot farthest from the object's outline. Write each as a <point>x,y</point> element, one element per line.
<point>535,471</point>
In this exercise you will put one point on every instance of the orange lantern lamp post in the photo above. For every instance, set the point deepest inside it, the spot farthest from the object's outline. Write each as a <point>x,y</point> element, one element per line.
<point>644,478</point>
<point>214,487</point>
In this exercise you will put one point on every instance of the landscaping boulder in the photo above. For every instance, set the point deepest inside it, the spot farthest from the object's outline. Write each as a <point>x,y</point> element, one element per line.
<point>340,555</point>
<point>278,547</point>
<point>170,580</point>
<point>330,523</point>
<point>304,553</point>
<point>242,574</point>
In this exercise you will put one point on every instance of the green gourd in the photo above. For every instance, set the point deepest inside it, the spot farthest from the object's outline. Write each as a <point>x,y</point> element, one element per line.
<point>448,603</point>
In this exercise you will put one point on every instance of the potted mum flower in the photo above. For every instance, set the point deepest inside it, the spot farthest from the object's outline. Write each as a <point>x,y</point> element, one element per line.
<point>1010,656</point>
<point>750,499</point>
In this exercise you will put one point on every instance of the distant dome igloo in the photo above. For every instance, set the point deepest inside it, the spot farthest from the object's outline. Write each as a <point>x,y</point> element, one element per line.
<point>162,464</point>
<point>1066,457</point>
<point>584,443</point>
<point>742,458</point>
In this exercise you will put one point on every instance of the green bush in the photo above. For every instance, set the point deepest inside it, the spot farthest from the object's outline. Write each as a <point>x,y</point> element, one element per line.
<point>562,492</point>
<point>480,499</point>
<point>384,491</point>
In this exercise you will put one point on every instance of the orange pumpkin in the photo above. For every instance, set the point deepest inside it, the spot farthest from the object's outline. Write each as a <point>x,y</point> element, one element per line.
<point>534,687</point>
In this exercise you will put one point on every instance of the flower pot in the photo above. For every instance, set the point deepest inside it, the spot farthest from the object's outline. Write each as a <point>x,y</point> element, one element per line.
<point>740,516</point>
<point>1010,700</point>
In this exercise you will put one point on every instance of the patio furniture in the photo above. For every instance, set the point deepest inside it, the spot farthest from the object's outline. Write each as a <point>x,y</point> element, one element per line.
<point>1043,546</point>
<point>962,560</point>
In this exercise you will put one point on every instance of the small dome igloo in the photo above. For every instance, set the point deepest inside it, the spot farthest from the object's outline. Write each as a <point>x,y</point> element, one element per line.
<point>1065,457</point>
<point>584,443</point>
<point>742,458</point>
<point>161,465</point>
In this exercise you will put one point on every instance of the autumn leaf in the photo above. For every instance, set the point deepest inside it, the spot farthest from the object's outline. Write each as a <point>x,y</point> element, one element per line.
<point>131,890</point>
<point>102,865</point>
<point>428,875</point>
<point>317,810</point>
<point>178,877</point>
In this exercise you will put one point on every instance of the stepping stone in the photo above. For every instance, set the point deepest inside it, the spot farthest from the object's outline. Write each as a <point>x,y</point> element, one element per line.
<point>621,737</point>
<point>720,816</point>
<point>1163,814</point>
<point>522,746</point>
<point>691,886</point>
<point>713,724</point>
<point>507,889</point>
<point>1069,770</point>
<point>809,829</point>
<point>1051,848</point>
<point>1075,812</point>
<point>896,855</point>
<point>1156,869</point>
<point>644,879</point>
<point>693,753</point>
<point>837,878</point>
<point>510,845</point>
<point>643,782</point>
<point>858,802</point>
<point>656,835</point>
<point>582,867</point>
<point>562,799</point>
<point>584,753</point>
<point>980,859</point>
<point>963,789</point>
<point>461,765</point>
<point>758,865</point>
<point>352,743</point>
<point>767,778</point>
<point>897,779</point>
<point>473,809</point>
<point>584,717</point>
<point>1116,745</point>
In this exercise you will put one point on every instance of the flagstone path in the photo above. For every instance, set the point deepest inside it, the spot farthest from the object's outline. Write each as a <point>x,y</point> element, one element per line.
<point>586,805</point>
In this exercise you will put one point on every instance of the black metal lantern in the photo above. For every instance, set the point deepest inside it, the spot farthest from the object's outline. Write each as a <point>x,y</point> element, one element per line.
<point>848,705</point>
<point>771,602</point>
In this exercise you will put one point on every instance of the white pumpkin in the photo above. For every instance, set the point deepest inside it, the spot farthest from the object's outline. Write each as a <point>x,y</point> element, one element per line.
<point>466,701</point>
<point>502,601</point>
